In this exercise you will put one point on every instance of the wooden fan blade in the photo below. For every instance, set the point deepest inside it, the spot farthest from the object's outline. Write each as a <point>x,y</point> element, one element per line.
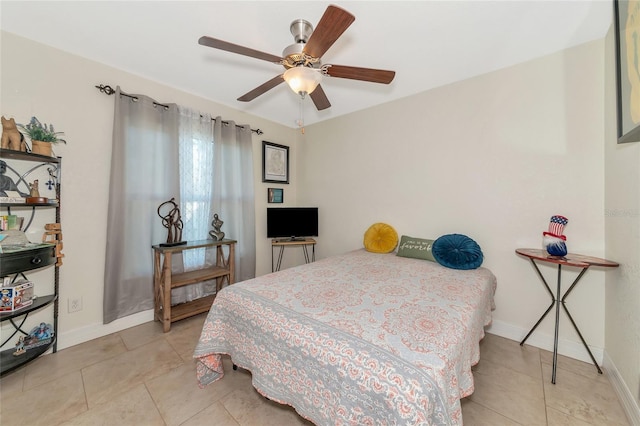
<point>249,96</point>
<point>234,48</point>
<point>331,26</point>
<point>320,99</point>
<point>364,74</point>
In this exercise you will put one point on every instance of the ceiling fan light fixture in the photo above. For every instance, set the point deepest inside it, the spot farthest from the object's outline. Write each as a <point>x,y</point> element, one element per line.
<point>302,79</point>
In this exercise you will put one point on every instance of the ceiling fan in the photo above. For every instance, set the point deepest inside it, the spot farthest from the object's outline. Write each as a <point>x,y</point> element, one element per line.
<point>302,60</point>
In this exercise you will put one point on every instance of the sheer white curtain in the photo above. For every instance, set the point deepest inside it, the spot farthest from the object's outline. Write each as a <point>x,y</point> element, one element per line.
<point>144,174</point>
<point>216,177</point>
<point>196,147</point>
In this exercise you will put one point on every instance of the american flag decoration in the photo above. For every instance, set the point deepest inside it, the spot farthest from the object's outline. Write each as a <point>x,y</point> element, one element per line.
<point>553,240</point>
<point>556,226</point>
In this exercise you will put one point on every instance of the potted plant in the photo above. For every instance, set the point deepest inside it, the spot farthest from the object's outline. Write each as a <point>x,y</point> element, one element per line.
<point>42,136</point>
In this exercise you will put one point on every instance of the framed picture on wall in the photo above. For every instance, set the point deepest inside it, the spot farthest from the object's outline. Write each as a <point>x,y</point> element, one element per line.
<point>275,162</point>
<point>627,31</point>
<point>275,195</point>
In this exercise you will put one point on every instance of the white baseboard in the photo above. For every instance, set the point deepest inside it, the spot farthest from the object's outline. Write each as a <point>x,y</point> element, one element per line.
<point>93,331</point>
<point>544,341</point>
<point>629,403</point>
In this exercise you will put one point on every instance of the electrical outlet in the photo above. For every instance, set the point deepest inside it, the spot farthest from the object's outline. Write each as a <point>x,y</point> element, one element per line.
<point>75,304</point>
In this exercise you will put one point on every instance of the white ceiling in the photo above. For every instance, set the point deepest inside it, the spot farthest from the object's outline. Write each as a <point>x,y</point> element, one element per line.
<point>427,43</point>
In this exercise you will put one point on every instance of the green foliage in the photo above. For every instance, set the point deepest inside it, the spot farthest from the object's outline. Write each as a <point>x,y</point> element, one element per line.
<point>36,131</point>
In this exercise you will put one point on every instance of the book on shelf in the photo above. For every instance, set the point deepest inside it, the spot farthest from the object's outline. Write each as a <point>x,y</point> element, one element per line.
<point>14,200</point>
<point>13,197</point>
<point>10,222</point>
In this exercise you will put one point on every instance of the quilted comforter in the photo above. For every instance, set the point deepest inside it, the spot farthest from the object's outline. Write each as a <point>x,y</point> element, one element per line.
<point>355,339</point>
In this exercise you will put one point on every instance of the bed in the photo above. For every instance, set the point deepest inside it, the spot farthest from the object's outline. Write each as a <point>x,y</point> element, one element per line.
<point>355,339</point>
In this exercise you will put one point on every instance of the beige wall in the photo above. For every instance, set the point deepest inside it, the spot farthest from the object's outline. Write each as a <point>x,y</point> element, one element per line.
<point>59,88</point>
<point>493,157</point>
<point>622,242</point>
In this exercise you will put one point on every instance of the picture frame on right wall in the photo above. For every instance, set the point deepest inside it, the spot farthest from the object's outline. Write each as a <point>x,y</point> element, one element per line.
<point>627,32</point>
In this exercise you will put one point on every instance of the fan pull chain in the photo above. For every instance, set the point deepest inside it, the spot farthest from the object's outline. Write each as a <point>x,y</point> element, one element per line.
<point>300,121</point>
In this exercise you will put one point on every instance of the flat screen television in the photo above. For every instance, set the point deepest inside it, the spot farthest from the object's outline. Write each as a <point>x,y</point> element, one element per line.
<point>292,222</point>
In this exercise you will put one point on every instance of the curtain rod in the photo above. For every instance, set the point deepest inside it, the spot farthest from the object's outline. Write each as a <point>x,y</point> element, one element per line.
<point>108,90</point>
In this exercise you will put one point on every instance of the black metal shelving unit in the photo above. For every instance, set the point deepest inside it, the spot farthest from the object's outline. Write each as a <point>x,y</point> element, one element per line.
<point>15,263</point>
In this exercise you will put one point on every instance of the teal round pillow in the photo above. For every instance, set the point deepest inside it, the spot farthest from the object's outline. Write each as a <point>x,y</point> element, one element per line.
<point>457,251</point>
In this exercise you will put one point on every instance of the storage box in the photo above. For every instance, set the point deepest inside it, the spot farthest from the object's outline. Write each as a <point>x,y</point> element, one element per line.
<point>16,296</point>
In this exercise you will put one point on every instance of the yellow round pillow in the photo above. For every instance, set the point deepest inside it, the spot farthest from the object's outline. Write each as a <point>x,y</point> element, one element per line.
<point>380,238</point>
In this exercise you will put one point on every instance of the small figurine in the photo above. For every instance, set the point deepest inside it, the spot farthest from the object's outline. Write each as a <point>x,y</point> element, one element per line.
<point>553,240</point>
<point>5,300</point>
<point>43,331</point>
<point>53,235</point>
<point>33,189</point>
<point>217,234</point>
<point>20,347</point>
<point>11,137</point>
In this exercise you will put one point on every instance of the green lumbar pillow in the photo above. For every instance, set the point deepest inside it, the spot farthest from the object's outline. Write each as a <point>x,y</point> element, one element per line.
<point>417,248</point>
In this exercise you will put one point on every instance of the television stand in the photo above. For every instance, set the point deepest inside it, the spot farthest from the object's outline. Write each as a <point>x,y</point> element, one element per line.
<point>293,242</point>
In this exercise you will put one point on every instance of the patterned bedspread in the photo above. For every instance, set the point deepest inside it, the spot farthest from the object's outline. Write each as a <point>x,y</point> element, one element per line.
<point>355,339</point>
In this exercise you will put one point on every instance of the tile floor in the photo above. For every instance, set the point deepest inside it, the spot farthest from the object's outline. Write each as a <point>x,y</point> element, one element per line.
<point>142,376</point>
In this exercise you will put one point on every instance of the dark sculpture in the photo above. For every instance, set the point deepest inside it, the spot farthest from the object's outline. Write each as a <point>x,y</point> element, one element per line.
<point>217,234</point>
<point>6,184</point>
<point>173,222</point>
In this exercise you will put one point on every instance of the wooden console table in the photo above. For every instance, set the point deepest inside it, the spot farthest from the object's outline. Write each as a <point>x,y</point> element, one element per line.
<point>304,243</point>
<point>164,280</point>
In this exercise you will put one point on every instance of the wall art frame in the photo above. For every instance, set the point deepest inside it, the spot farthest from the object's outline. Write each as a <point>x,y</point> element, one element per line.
<point>627,29</point>
<point>275,195</point>
<point>275,162</point>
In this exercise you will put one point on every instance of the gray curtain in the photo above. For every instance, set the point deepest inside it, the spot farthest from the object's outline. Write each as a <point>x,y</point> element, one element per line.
<point>150,142</point>
<point>233,193</point>
<point>144,174</point>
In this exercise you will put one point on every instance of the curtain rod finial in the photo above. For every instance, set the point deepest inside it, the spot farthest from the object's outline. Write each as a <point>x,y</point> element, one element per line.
<point>106,89</point>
